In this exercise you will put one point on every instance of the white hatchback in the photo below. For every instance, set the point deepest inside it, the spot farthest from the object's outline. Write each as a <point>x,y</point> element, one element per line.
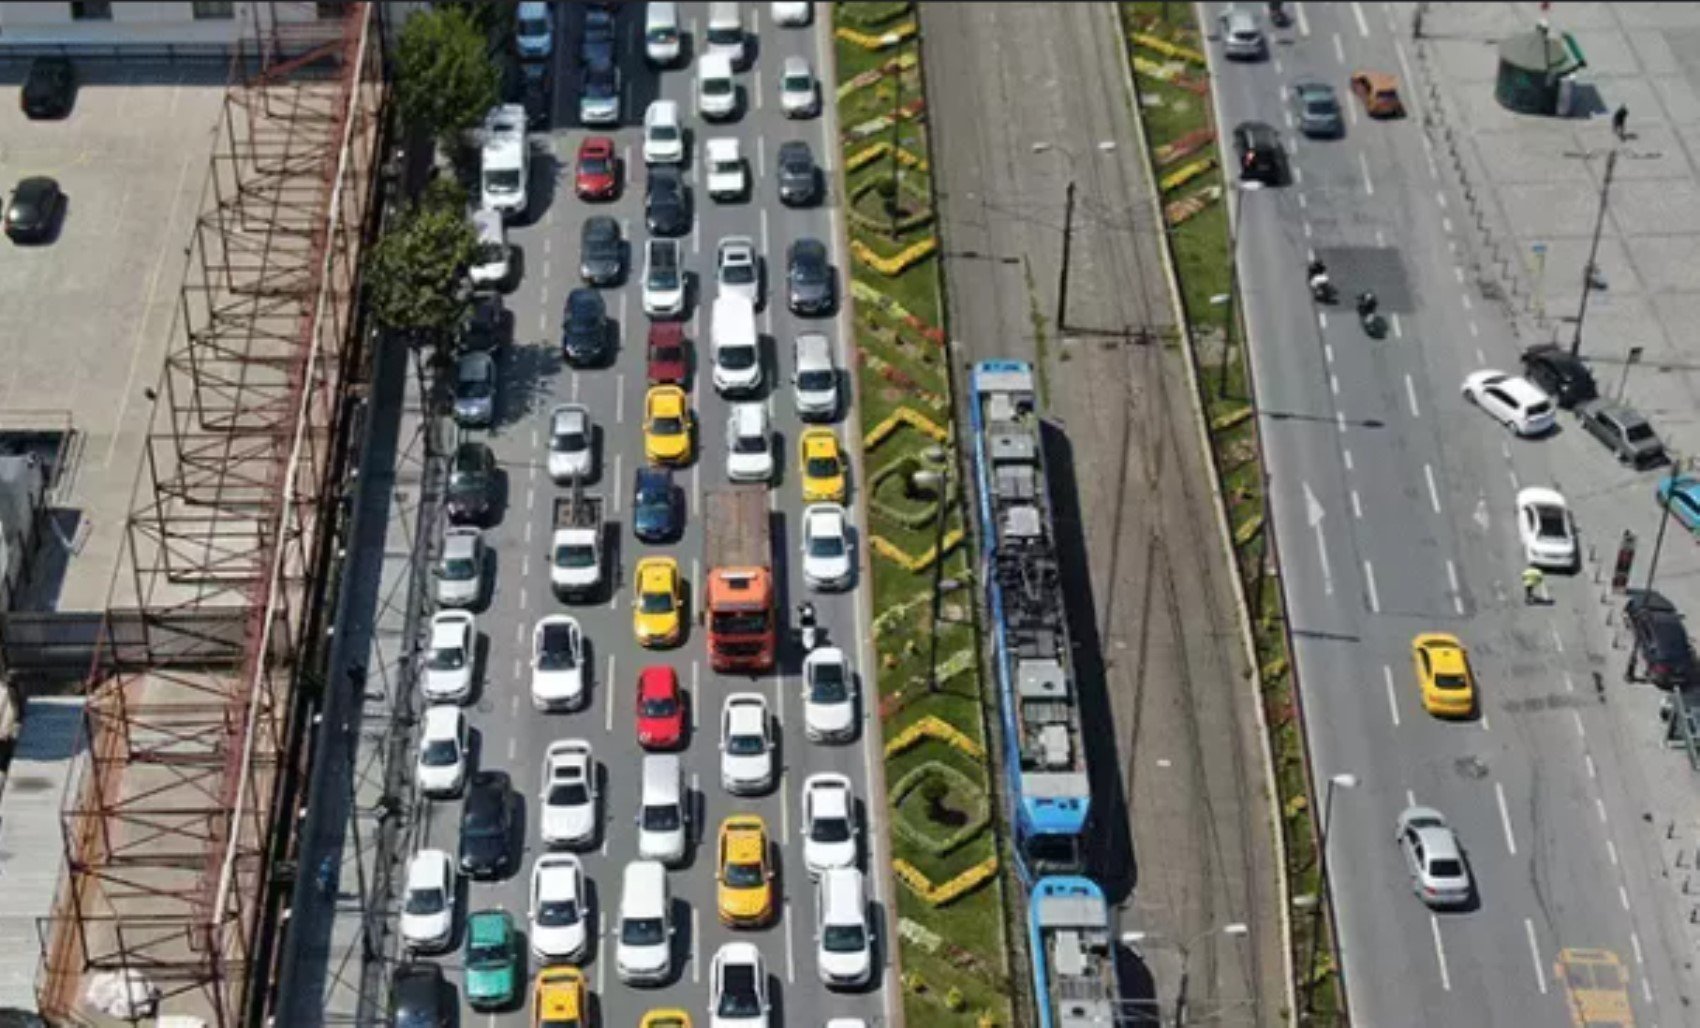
<point>557,909</point>
<point>663,139</point>
<point>827,562</point>
<point>830,836</point>
<point>428,906</point>
<point>829,697</point>
<point>746,744</point>
<point>1512,401</point>
<point>557,663</point>
<point>449,658</point>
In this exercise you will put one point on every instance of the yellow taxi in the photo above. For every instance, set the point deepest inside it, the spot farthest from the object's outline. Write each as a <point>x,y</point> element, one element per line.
<point>665,1019</point>
<point>558,999</point>
<point>823,466</point>
<point>1443,673</point>
<point>666,425</point>
<point>745,877</point>
<point>658,602</point>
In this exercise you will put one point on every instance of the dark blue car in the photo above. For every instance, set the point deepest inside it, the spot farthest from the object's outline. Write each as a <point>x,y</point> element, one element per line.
<point>584,333</point>
<point>655,506</point>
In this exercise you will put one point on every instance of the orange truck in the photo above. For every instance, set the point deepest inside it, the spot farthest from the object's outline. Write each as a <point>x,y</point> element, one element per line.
<point>739,594</point>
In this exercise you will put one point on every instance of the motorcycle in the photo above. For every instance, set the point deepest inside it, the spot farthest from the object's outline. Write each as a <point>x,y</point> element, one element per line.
<point>1374,325</point>
<point>1322,290</point>
<point>1279,16</point>
<point>806,627</point>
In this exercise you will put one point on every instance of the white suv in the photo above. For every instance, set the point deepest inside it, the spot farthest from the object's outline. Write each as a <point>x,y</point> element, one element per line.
<point>727,177</point>
<point>663,279</point>
<point>663,139</point>
<point>815,381</point>
<point>845,953</point>
<point>749,444</point>
<point>450,657</point>
<point>737,269</point>
<point>441,766</point>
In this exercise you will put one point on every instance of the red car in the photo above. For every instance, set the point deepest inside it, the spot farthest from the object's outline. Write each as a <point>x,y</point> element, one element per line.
<point>598,174</point>
<point>667,357</point>
<point>660,709</point>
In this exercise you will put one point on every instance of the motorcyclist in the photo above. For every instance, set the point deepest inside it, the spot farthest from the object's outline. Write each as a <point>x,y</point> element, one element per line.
<point>806,623</point>
<point>1317,275</point>
<point>1366,304</point>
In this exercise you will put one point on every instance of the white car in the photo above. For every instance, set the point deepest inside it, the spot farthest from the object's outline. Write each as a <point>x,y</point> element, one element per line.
<point>815,378</point>
<point>428,907</point>
<point>749,444</point>
<point>746,744</point>
<point>663,278</point>
<point>826,547</point>
<point>557,663</point>
<point>1512,401</point>
<point>830,835</point>
<point>441,767</point>
<point>572,453</point>
<point>490,258</point>
<point>845,953</point>
<point>460,567</point>
<point>569,795</point>
<point>829,697</point>
<point>1439,874</point>
<point>1544,524</point>
<point>737,983</point>
<point>663,139</point>
<point>737,269</point>
<point>728,179</point>
<point>557,905</point>
<point>790,13</point>
<point>449,657</point>
<point>799,96</point>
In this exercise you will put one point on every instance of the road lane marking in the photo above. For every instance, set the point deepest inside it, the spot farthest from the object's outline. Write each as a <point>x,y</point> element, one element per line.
<point>1358,13</point>
<point>1380,240</point>
<point>1304,23</point>
<point>1611,851</point>
<point>1306,226</point>
<point>513,748</point>
<point>1569,683</point>
<point>1303,203</point>
<point>1369,583</point>
<point>1465,299</point>
<point>1452,573</point>
<point>1588,759</point>
<point>1357,506</point>
<point>696,240</point>
<point>1346,455</point>
<point>1334,383</point>
<point>1515,485</point>
<point>1322,320</point>
<point>1369,183</point>
<point>1623,896</point>
<point>790,951</point>
<point>1474,331</point>
<point>543,321</point>
<point>620,394</point>
<point>1289,114</point>
<point>1600,809</point>
<point>1446,225</point>
<point>573,388</point>
<point>1410,798</point>
<point>1339,49</point>
<point>1440,953</point>
<point>1392,696</point>
<point>528,538</point>
<point>696,488</point>
<point>1411,394</point>
<point>1434,501</point>
<point>608,696</point>
<point>523,604</point>
<point>1458,273</point>
<point>1340,421</point>
<point>1398,330</point>
<point>1557,640</point>
<point>758,89</point>
<point>1314,515</point>
<point>601,965</point>
<point>1328,352</point>
<point>1635,944</point>
<point>696,708</point>
<point>1535,953</point>
<point>1505,817</point>
<point>1481,358</point>
<point>1440,198</point>
<point>761,157</point>
<point>1286,114</point>
<point>764,247</point>
<point>1647,992</point>
<point>547,269</point>
<point>619,476</point>
<point>696,945</point>
<point>1576,719</point>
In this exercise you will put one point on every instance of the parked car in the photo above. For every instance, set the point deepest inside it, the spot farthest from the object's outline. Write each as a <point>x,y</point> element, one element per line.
<point>50,88</point>
<point>1511,400</point>
<point>1681,496</point>
<point>1563,377</point>
<point>35,207</point>
<point>1623,431</point>
<point>471,494</point>
<point>1435,861</point>
<point>475,389</point>
<point>1661,640</point>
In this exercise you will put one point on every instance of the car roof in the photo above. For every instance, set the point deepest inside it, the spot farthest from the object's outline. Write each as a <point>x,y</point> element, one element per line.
<point>573,415</point>
<point>447,630</point>
<point>808,246</point>
<point>665,398</point>
<point>584,299</point>
<point>841,888</point>
<point>655,571</point>
<point>460,541</point>
<point>430,865</point>
<point>1376,79</point>
<point>747,711</point>
<point>819,438</point>
<point>794,64</point>
<point>601,226</point>
<point>652,476</point>
<point>443,719</point>
<point>795,148</point>
<point>1538,496</point>
<point>749,418</point>
<point>1439,843</point>
<point>722,148</point>
<point>746,837</point>
<point>813,348</point>
<point>830,513</point>
<point>666,332</point>
<point>487,926</point>
<point>657,677</point>
<point>597,145</point>
<point>834,790</point>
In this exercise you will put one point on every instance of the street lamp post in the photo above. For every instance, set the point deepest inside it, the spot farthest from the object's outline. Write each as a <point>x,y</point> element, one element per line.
<point>1233,930</point>
<point>1343,780</point>
<point>1588,272</point>
<point>1232,296</point>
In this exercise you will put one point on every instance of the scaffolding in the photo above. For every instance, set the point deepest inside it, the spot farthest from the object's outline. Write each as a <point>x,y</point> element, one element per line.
<point>192,750</point>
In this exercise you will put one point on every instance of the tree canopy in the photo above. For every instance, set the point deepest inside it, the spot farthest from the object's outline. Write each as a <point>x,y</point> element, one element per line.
<point>416,272</point>
<point>445,77</point>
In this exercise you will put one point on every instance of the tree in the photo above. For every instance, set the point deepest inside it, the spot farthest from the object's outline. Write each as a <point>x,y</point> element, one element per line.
<point>445,77</point>
<point>416,273</point>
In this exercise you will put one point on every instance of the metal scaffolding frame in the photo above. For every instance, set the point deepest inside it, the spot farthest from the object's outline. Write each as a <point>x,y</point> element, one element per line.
<point>187,781</point>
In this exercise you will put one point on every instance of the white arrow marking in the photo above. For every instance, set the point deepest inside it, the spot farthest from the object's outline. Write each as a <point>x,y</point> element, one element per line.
<point>1482,515</point>
<point>1313,516</point>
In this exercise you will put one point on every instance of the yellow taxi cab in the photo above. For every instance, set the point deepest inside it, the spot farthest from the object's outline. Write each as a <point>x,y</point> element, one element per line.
<point>558,999</point>
<point>823,466</point>
<point>665,1019</point>
<point>1443,673</point>
<point>657,603</point>
<point>666,425</point>
<point>745,877</point>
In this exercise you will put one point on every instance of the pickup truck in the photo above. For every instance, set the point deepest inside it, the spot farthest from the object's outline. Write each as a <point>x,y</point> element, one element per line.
<point>575,549</point>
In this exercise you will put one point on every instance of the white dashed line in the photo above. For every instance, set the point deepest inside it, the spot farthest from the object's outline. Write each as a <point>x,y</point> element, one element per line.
<point>1369,584</point>
<point>1635,944</point>
<point>1474,331</point>
<point>1588,759</point>
<point>1576,719</point>
<point>608,686</point>
<point>764,246</point>
<point>1623,897</point>
<point>1358,13</point>
<point>1303,202</point>
<point>513,748</point>
<point>1369,183</point>
<point>1446,225</point>
<point>1535,954</point>
<point>1647,992</point>
<point>1398,329</point>
<point>1481,358</point>
<point>1307,230</point>
<point>1458,273</point>
<point>1304,23</point>
<point>761,157</point>
<point>1288,113</point>
<point>1340,421</point>
<point>1357,506</point>
<point>1411,396</point>
<point>758,90</point>
<point>1569,683</point>
<point>1611,851</point>
<point>1334,383</point>
<point>1452,574</point>
<point>1465,299</point>
<point>1557,640</point>
<point>1346,455</point>
<point>1515,486</point>
<point>1328,352</point>
<point>619,476</point>
<point>1505,818</point>
<point>1434,501</point>
<point>1339,49</point>
<point>1392,696</point>
<point>1434,927</point>
<point>1600,809</point>
<point>620,396</point>
<point>1440,198</point>
<point>1322,320</point>
<point>790,950</point>
<point>696,945</point>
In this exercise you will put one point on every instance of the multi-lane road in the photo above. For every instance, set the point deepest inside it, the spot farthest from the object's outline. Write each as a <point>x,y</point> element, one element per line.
<point>1393,504</point>
<point>510,735</point>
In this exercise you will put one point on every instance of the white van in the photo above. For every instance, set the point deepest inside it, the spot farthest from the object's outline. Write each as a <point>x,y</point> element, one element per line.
<point>661,32</point>
<point>845,939</point>
<point>717,91</point>
<point>490,255</point>
<point>726,31</point>
<point>737,348</point>
<point>663,819</point>
<point>644,953</point>
<point>505,160</point>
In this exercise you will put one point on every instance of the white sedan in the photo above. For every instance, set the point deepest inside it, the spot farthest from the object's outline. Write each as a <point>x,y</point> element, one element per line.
<point>557,664</point>
<point>829,822</point>
<point>441,766</point>
<point>428,907</point>
<point>829,699</point>
<point>826,547</point>
<point>571,456</point>
<point>1544,525</point>
<point>737,987</point>
<point>798,95</point>
<point>663,139</point>
<point>737,269</point>
<point>746,744</point>
<point>790,12</point>
<point>558,916</point>
<point>569,795</point>
<point>449,657</point>
<point>1512,401</point>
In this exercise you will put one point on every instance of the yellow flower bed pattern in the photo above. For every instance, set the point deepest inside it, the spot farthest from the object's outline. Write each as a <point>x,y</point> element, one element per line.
<point>955,889</point>
<point>898,263</point>
<point>869,154</point>
<point>903,416</point>
<point>1164,47</point>
<point>1186,173</point>
<point>901,63</point>
<point>932,727</point>
<point>883,41</point>
<point>897,555</point>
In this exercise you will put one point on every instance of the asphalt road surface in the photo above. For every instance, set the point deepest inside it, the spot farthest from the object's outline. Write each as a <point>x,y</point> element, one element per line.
<point>1393,504</point>
<point>510,735</point>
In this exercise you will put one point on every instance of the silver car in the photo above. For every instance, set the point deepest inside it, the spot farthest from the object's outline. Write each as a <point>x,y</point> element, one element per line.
<point>1242,40</point>
<point>460,569</point>
<point>1439,874</point>
<point>475,389</point>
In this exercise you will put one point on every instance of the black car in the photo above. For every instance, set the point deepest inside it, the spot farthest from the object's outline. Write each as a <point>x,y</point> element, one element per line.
<point>418,997</point>
<point>601,251</point>
<point>538,95</point>
<point>472,484</point>
<point>486,826</point>
<point>597,44</point>
<point>487,324</point>
<point>666,204</point>
<point>1258,148</point>
<point>1661,641</point>
<point>584,332</point>
<point>808,277</point>
<point>1558,374</point>
<point>50,88</point>
<point>35,204</point>
<point>799,179</point>
<point>655,506</point>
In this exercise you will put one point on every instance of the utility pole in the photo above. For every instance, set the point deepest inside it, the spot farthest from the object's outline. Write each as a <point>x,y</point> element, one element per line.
<point>1067,254</point>
<point>1593,251</point>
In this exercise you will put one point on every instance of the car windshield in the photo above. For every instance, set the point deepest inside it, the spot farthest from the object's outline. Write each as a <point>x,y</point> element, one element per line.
<point>490,253</point>
<point>844,938</point>
<point>593,165</point>
<point>556,656</point>
<point>643,931</point>
<point>656,603</point>
<point>1450,681</point>
<point>741,622</point>
<point>460,569</point>
<point>745,746</point>
<point>502,181</point>
<point>821,467</point>
<point>487,955</point>
<point>446,658</point>
<point>830,829</point>
<point>482,818</point>
<point>738,996</point>
<point>659,706</point>
<point>667,355</point>
<point>807,271</point>
<point>728,167</point>
<point>425,901</point>
<point>575,556</point>
<point>749,444</point>
<point>1636,433</point>
<point>465,480</point>
<point>717,87</point>
<point>569,442</point>
<point>816,380</point>
<point>651,496</point>
<point>666,424</point>
<point>599,86</point>
<point>1445,867</point>
<point>568,794</point>
<point>1550,522</point>
<point>744,876</point>
<point>664,278</point>
<point>1319,105</point>
<point>533,26</point>
<point>826,546</point>
<point>661,819</point>
<point>661,35</point>
<point>559,913</point>
<point>736,358</point>
<point>663,133</point>
<point>827,684</point>
<point>738,273</point>
<point>474,388</point>
<point>440,753</point>
<point>800,83</point>
<point>725,35</point>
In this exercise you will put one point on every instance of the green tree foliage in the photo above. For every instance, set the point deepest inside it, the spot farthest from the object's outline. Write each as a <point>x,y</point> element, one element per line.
<point>445,77</point>
<point>416,273</point>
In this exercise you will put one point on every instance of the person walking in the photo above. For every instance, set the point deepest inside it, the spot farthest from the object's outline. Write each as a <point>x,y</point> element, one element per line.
<point>1619,119</point>
<point>1532,579</point>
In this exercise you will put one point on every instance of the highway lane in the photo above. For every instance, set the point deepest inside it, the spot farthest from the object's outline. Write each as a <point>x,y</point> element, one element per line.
<point>1393,502</point>
<point>511,735</point>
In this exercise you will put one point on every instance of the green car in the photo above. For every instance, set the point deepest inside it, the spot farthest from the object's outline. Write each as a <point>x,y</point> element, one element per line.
<point>492,960</point>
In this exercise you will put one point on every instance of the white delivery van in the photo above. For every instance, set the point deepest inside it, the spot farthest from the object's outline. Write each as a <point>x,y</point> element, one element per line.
<point>717,91</point>
<point>664,816</point>
<point>490,258</point>
<point>726,31</point>
<point>737,348</point>
<point>661,32</point>
<point>506,161</point>
<point>644,953</point>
